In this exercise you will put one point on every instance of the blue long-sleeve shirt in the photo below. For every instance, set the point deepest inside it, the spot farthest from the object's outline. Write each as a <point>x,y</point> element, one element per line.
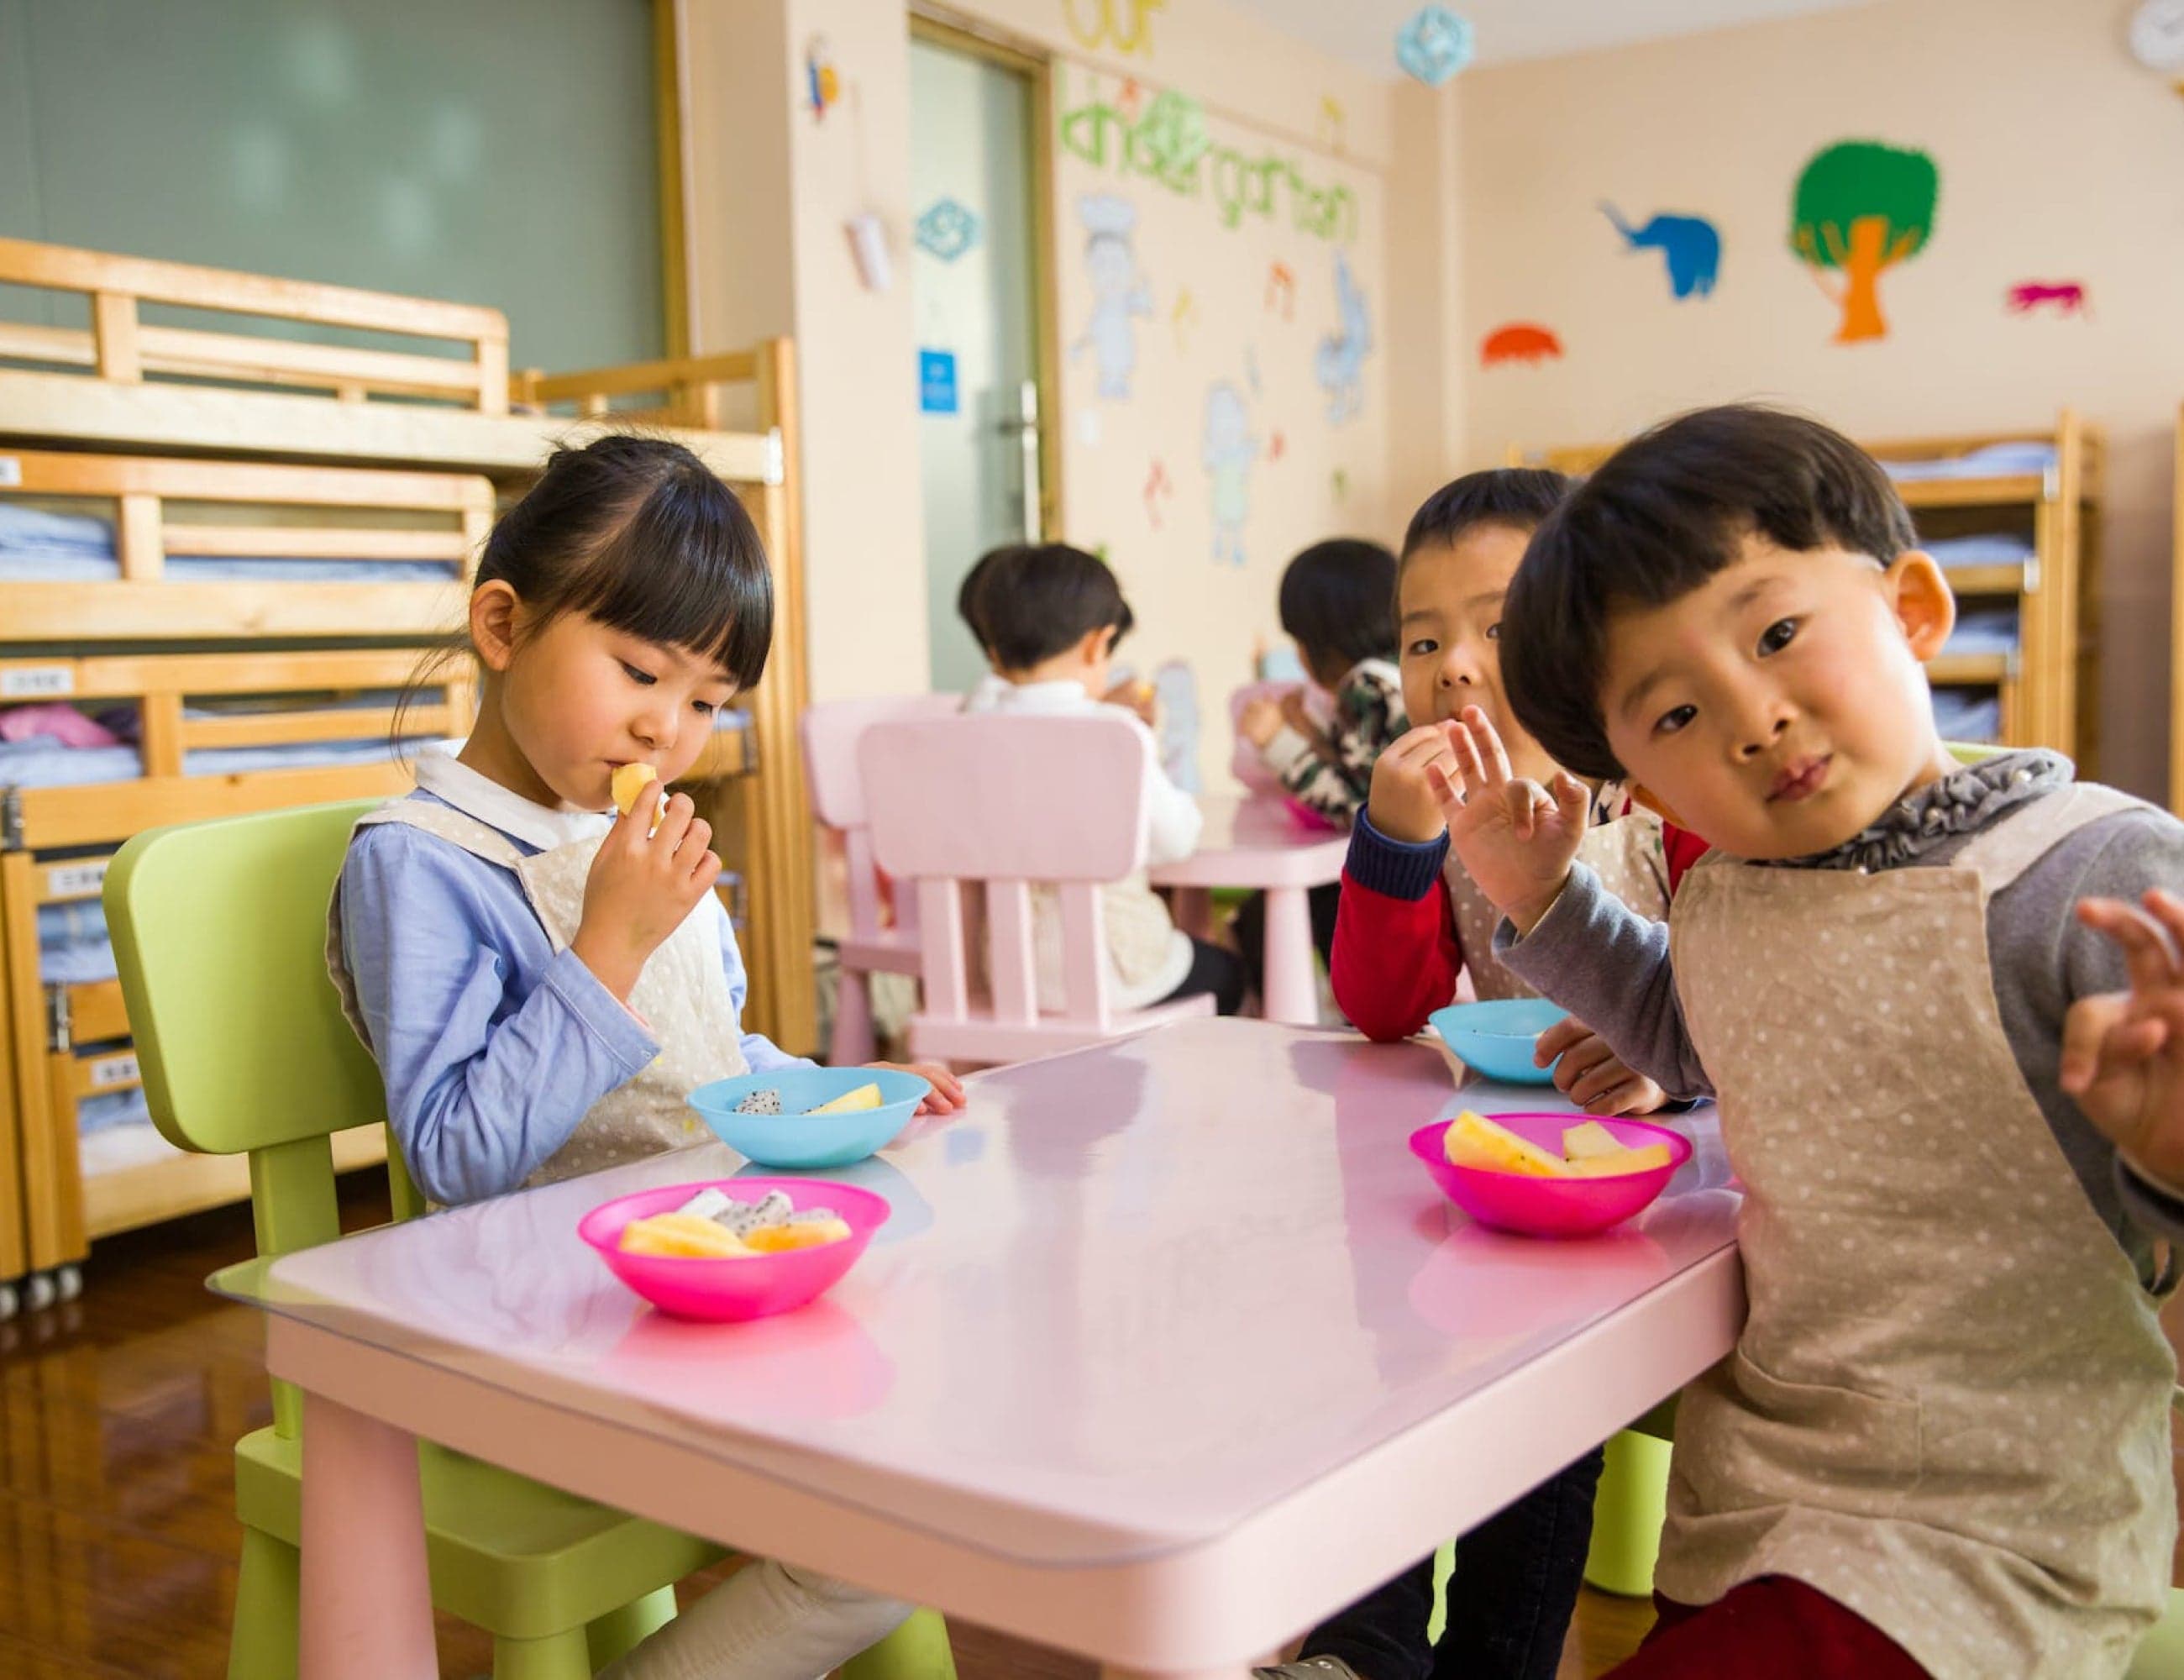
<point>493,1046</point>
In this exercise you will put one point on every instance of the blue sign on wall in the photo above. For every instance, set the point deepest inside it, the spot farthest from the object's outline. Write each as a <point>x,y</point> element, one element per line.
<point>936,381</point>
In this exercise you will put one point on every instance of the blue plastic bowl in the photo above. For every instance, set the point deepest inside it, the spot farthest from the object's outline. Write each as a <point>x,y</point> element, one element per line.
<point>798,1139</point>
<point>1495,1040</point>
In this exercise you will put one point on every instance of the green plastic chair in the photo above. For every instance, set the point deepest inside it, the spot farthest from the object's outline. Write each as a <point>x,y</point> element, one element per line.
<point>1630,1505</point>
<point>220,933</point>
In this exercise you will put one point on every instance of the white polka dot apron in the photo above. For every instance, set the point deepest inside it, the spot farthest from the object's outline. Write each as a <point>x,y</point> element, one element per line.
<point>1949,1407</point>
<point>1628,856</point>
<point>681,993</point>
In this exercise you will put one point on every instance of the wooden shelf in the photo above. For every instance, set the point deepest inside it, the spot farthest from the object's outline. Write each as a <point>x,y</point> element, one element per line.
<point>2019,491</point>
<point>1969,671</point>
<point>1979,580</point>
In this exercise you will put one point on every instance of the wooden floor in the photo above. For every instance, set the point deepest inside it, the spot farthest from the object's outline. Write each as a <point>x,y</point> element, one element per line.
<point>117,1539</point>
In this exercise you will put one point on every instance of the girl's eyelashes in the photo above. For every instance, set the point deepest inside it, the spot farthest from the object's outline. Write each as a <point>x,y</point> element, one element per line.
<point>705,707</point>
<point>1777,636</point>
<point>643,678</point>
<point>1423,646</point>
<point>1670,722</point>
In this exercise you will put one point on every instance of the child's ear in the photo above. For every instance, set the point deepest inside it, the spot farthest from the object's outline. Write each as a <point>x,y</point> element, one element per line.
<point>1653,803</point>
<point>1925,606</point>
<point>493,609</point>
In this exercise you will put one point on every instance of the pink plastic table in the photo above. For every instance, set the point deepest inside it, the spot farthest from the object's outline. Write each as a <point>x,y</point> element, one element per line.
<point>1259,843</point>
<point>1170,1350</point>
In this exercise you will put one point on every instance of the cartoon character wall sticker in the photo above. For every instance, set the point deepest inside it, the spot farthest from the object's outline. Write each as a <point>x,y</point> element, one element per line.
<point>1120,292</point>
<point>1690,244</point>
<point>1228,451</point>
<point>1339,362</point>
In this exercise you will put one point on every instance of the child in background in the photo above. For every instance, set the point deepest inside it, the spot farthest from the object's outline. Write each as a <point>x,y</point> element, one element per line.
<point>1410,921</point>
<point>1126,690</point>
<point>1338,604</point>
<point>1943,1011</point>
<point>1052,615</point>
<point>989,682</point>
<point>541,982</point>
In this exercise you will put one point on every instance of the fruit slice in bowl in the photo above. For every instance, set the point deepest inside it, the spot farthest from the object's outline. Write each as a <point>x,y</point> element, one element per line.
<point>1550,1175</point>
<point>652,1241</point>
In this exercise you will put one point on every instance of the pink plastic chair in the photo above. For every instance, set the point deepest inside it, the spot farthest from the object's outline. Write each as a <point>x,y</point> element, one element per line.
<point>1005,803</point>
<point>1244,761</point>
<point>831,733</point>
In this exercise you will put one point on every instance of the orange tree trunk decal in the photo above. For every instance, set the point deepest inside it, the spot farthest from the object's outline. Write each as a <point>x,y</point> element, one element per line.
<point>1860,207</point>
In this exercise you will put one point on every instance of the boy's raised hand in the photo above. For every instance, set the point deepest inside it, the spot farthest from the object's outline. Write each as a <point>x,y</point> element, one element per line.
<point>1401,803</point>
<point>2123,1052</point>
<point>1516,838</point>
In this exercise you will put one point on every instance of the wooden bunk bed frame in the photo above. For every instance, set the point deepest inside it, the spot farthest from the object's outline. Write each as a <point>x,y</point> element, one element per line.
<point>436,520</point>
<point>93,412</point>
<point>2047,686</point>
<point>58,841</point>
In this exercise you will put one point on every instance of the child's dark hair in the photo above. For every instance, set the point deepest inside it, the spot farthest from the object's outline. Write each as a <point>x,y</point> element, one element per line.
<point>1338,600</point>
<point>1662,514</point>
<point>966,592</point>
<point>1039,600</point>
<point>1518,498</point>
<point>638,533</point>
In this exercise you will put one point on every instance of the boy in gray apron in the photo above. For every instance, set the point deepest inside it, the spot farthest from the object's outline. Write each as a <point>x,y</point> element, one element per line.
<point>1939,1026</point>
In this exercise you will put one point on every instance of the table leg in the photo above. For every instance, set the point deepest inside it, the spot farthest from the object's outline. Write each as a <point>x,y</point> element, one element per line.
<point>1292,996</point>
<point>366,1608</point>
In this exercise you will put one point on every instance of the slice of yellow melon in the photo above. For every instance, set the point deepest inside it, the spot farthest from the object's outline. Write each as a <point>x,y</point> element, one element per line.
<point>1590,1140</point>
<point>776,1239</point>
<point>1624,1160</point>
<point>629,781</point>
<point>1475,1141</point>
<point>864,1097</point>
<point>681,1235</point>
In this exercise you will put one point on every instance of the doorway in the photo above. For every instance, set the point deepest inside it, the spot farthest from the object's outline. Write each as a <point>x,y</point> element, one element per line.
<point>979,285</point>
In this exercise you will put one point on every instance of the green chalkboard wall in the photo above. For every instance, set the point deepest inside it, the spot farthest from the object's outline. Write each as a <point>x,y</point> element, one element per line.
<point>497,151</point>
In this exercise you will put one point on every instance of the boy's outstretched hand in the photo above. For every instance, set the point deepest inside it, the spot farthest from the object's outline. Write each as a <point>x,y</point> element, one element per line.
<point>2123,1052</point>
<point>1517,839</point>
<point>947,1096</point>
<point>1591,1075</point>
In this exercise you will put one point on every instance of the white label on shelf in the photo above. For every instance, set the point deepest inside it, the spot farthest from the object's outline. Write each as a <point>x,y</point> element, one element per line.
<point>76,880</point>
<point>36,682</point>
<point>11,470</point>
<point>108,1071</point>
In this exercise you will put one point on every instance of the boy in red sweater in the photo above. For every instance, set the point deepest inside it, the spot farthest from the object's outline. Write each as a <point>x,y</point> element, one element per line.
<point>1409,923</point>
<point>1410,920</point>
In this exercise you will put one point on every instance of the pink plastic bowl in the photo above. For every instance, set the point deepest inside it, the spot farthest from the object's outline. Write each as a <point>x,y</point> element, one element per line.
<point>739,1288</point>
<point>1550,1207</point>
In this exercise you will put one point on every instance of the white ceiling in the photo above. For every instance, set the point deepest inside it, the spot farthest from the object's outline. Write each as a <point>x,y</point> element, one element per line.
<point>1362,32</point>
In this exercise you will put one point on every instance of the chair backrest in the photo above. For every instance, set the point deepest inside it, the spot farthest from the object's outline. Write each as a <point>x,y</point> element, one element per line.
<point>1244,761</point>
<point>831,732</point>
<point>1006,801</point>
<point>219,932</point>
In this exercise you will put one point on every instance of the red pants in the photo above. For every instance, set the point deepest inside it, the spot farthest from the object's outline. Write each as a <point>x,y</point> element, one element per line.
<point>1773,1628</point>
